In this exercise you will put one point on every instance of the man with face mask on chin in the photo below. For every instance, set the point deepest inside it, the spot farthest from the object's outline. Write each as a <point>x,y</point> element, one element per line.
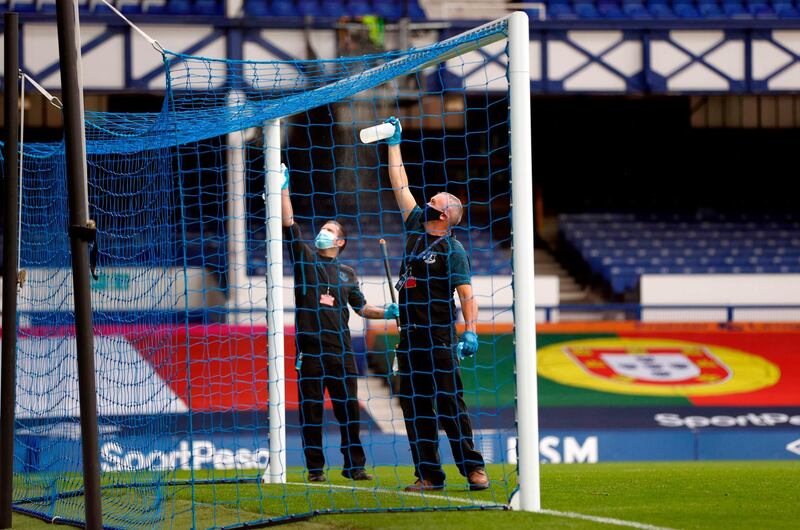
<point>323,288</point>
<point>434,265</point>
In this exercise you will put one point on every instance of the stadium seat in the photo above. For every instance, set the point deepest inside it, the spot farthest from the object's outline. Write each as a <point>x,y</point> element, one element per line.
<point>359,8</point>
<point>179,7</point>
<point>586,9</point>
<point>46,6</point>
<point>389,9</point>
<point>560,9</point>
<point>685,9</point>
<point>618,251</point>
<point>22,6</point>
<point>635,9</point>
<point>154,7</point>
<point>208,7</point>
<point>734,9</point>
<point>785,9</point>
<point>760,9</point>
<point>129,7</point>
<point>709,9</point>
<point>660,9</point>
<point>610,9</point>
<point>256,8</point>
<point>308,8</point>
<point>284,8</point>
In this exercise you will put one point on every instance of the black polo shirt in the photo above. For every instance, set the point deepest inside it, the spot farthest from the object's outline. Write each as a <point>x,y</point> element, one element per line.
<point>321,328</point>
<point>435,266</point>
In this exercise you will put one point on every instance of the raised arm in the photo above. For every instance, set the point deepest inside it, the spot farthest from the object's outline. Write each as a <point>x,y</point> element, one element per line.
<point>397,172</point>
<point>287,213</point>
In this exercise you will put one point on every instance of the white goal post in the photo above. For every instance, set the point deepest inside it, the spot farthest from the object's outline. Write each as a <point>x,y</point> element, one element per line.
<point>527,497</point>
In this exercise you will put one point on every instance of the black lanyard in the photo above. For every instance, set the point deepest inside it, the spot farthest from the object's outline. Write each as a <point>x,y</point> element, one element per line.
<point>414,256</point>
<point>325,277</point>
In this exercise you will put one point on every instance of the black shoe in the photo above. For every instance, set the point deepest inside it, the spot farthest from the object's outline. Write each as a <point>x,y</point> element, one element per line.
<point>357,474</point>
<point>317,476</point>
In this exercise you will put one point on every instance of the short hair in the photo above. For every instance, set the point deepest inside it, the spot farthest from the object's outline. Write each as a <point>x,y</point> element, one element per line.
<point>454,205</point>
<point>342,232</point>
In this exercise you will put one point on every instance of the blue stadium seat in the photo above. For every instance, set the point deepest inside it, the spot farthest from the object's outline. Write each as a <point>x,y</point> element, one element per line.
<point>284,8</point>
<point>256,8</point>
<point>308,7</point>
<point>660,9</point>
<point>734,9</point>
<point>129,7</point>
<point>635,9</point>
<point>560,9</point>
<point>359,8</point>
<point>760,9</point>
<point>46,6</point>
<point>389,9</point>
<point>785,9</point>
<point>685,9</point>
<point>208,7</point>
<point>154,7</point>
<point>709,9</point>
<point>585,9</point>
<point>331,8</point>
<point>609,9</point>
<point>22,6</point>
<point>179,7</point>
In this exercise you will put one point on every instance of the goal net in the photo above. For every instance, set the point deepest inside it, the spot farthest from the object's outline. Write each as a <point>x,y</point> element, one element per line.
<point>246,373</point>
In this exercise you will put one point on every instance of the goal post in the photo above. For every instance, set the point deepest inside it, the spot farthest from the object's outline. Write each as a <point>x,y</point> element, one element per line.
<point>522,240</point>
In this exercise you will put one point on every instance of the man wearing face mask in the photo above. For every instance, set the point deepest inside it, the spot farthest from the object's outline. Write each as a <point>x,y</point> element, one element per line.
<point>434,265</point>
<point>323,289</point>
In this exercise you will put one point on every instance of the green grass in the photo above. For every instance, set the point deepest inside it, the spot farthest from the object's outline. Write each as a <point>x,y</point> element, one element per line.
<point>693,495</point>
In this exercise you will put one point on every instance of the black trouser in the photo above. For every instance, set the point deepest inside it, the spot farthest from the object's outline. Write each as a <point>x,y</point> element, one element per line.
<point>431,390</point>
<point>336,373</point>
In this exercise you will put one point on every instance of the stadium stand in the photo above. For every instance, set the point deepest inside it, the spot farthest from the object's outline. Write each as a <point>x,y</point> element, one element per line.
<point>388,9</point>
<point>670,9</point>
<point>393,10</point>
<point>619,248</point>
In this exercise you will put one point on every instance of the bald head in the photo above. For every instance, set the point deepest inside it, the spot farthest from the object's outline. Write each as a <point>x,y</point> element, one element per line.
<point>450,205</point>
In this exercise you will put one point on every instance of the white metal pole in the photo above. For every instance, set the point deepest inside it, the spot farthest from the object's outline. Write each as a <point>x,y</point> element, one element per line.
<point>234,8</point>
<point>237,222</point>
<point>524,297</point>
<point>276,472</point>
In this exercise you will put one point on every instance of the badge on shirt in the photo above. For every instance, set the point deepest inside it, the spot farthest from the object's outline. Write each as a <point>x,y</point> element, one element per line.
<point>326,299</point>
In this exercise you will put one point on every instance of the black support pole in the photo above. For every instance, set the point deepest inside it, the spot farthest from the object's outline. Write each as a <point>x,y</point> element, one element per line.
<point>8,378</point>
<point>80,233</point>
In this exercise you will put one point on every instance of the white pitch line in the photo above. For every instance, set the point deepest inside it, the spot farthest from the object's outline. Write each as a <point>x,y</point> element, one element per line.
<point>473,502</point>
<point>607,520</point>
<point>462,500</point>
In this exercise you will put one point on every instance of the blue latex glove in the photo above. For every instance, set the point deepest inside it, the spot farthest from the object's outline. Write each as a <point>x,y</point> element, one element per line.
<point>392,311</point>
<point>394,139</point>
<point>468,345</point>
<point>285,176</point>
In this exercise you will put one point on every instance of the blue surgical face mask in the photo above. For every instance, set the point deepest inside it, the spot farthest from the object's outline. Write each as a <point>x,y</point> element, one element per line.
<point>431,214</point>
<point>324,240</point>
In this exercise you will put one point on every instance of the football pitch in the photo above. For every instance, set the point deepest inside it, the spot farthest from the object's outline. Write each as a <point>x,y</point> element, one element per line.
<point>702,495</point>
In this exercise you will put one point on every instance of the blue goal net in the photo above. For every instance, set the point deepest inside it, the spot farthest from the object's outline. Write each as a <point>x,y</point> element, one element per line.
<point>253,363</point>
